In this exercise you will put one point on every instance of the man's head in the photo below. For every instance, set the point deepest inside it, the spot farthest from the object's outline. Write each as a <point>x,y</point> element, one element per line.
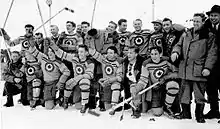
<point>155,54</point>
<point>70,26</point>
<point>137,24</point>
<point>93,33</point>
<point>38,37</point>
<point>214,14</point>
<point>112,52</point>
<point>167,24</point>
<point>132,53</point>
<point>29,29</point>
<point>122,24</point>
<point>85,27</point>
<point>54,30</point>
<point>198,21</point>
<point>15,55</point>
<point>79,28</point>
<point>83,52</point>
<point>112,26</point>
<point>157,25</point>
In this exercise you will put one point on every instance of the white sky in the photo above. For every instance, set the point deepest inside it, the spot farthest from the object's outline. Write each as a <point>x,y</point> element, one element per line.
<point>26,11</point>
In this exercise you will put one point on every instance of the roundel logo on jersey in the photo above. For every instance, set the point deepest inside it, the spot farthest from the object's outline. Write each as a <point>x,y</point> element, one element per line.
<point>79,69</point>
<point>138,40</point>
<point>109,69</point>
<point>49,67</point>
<point>158,42</point>
<point>30,70</point>
<point>158,73</point>
<point>171,40</point>
<point>25,44</point>
<point>71,41</point>
<point>122,39</point>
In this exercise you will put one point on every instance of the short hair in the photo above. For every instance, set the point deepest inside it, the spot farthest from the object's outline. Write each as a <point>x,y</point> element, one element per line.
<point>29,26</point>
<point>113,48</point>
<point>71,22</point>
<point>114,24</point>
<point>85,22</point>
<point>39,34</point>
<point>167,19</point>
<point>121,20</point>
<point>138,20</point>
<point>16,52</point>
<point>136,49</point>
<point>54,26</point>
<point>159,49</point>
<point>202,15</point>
<point>83,46</point>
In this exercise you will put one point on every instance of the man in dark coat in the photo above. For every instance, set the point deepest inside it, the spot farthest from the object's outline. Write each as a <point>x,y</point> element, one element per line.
<point>14,80</point>
<point>213,25</point>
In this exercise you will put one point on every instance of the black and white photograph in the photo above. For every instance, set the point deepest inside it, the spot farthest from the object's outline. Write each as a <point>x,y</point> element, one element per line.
<point>109,64</point>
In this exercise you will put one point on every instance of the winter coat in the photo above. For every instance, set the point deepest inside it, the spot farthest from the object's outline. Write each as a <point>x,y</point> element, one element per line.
<point>196,53</point>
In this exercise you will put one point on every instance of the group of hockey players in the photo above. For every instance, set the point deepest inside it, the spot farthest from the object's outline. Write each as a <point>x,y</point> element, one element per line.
<point>94,68</point>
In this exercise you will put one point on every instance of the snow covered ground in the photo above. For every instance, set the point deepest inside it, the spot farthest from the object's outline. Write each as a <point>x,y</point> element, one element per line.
<point>20,117</point>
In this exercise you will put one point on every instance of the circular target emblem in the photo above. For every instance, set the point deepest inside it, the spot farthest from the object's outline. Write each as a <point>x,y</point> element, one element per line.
<point>25,44</point>
<point>158,73</point>
<point>122,39</point>
<point>158,42</point>
<point>49,67</point>
<point>68,42</point>
<point>30,70</point>
<point>171,40</point>
<point>109,70</point>
<point>79,69</point>
<point>138,40</point>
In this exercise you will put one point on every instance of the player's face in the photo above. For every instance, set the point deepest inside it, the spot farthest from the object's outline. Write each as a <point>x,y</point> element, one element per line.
<point>167,26</point>
<point>82,53</point>
<point>131,54</point>
<point>123,26</point>
<point>69,27</point>
<point>111,28</point>
<point>85,28</point>
<point>215,18</point>
<point>155,56</point>
<point>197,22</point>
<point>54,30</point>
<point>79,29</point>
<point>29,31</point>
<point>137,25</point>
<point>14,57</point>
<point>157,27</point>
<point>38,38</point>
<point>110,54</point>
<point>51,54</point>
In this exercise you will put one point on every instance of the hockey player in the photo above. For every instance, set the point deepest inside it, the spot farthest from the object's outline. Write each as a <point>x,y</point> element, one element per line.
<point>155,69</point>
<point>55,74</point>
<point>140,38</point>
<point>112,74</point>
<point>83,73</point>
<point>34,76</point>
<point>123,38</point>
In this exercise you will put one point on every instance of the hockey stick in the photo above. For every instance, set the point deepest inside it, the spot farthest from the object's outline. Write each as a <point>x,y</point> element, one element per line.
<point>129,99</point>
<point>123,109</point>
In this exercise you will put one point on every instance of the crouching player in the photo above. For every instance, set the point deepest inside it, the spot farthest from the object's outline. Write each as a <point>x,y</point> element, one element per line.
<point>83,73</point>
<point>34,75</point>
<point>112,75</point>
<point>155,69</point>
<point>55,74</point>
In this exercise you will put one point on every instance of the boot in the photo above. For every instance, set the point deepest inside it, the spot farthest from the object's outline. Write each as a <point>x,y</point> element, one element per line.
<point>9,102</point>
<point>65,103</point>
<point>186,112</point>
<point>199,113</point>
<point>83,109</point>
<point>214,111</point>
<point>168,111</point>
<point>136,113</point>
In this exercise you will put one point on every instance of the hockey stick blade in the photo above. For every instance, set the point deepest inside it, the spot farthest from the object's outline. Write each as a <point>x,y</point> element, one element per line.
<point>121,118</point>
<point>93,113</point>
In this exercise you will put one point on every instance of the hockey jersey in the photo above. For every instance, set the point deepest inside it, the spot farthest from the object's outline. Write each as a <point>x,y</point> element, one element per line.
<point>140,39</point>
<point>156,40</point>
<point>52,70</point>
<point>154,72</point>
<point>123,39</point>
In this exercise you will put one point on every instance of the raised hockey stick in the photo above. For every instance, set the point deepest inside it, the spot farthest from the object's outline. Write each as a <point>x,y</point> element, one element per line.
<point>129,99</point>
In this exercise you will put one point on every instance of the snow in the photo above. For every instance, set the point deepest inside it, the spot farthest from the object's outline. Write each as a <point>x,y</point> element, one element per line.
<point>21,117</point>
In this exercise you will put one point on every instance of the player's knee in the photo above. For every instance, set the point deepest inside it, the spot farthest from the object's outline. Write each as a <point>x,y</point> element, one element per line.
<point>115,86</point>
<point>84,84</point>
<point>172,87</point>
